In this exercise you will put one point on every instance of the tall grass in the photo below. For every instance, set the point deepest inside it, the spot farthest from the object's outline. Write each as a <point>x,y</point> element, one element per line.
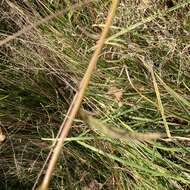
<point>39,74</point>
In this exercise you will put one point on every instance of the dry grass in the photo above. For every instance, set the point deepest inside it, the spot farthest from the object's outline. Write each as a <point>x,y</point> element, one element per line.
<point>40,72</point>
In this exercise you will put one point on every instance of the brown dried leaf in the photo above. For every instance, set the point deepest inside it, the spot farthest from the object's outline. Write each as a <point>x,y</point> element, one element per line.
<point>2,136</point>
<point>116,93</point>
<point>94,185</point>
<point>144,4</point>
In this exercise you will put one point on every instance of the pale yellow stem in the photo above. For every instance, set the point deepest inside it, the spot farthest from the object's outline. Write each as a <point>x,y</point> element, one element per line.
<point>66,125</point>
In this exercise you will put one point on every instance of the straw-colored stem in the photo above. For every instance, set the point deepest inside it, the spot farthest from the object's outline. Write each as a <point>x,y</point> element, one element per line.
<point>66,125</point>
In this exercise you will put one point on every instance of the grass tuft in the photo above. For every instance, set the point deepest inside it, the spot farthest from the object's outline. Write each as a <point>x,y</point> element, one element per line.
<point>40,70</point>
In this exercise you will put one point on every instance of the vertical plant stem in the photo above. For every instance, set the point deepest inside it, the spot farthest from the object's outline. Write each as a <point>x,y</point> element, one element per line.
<point>161,108</point>
<point>74,107</point>
<point>160,105</point>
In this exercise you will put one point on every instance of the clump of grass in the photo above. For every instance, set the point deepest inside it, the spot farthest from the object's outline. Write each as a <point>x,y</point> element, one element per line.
<point>36,91</point>
<point>40,71</point>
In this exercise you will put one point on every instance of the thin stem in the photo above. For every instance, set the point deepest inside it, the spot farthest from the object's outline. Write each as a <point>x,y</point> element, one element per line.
<point>75,105</point>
